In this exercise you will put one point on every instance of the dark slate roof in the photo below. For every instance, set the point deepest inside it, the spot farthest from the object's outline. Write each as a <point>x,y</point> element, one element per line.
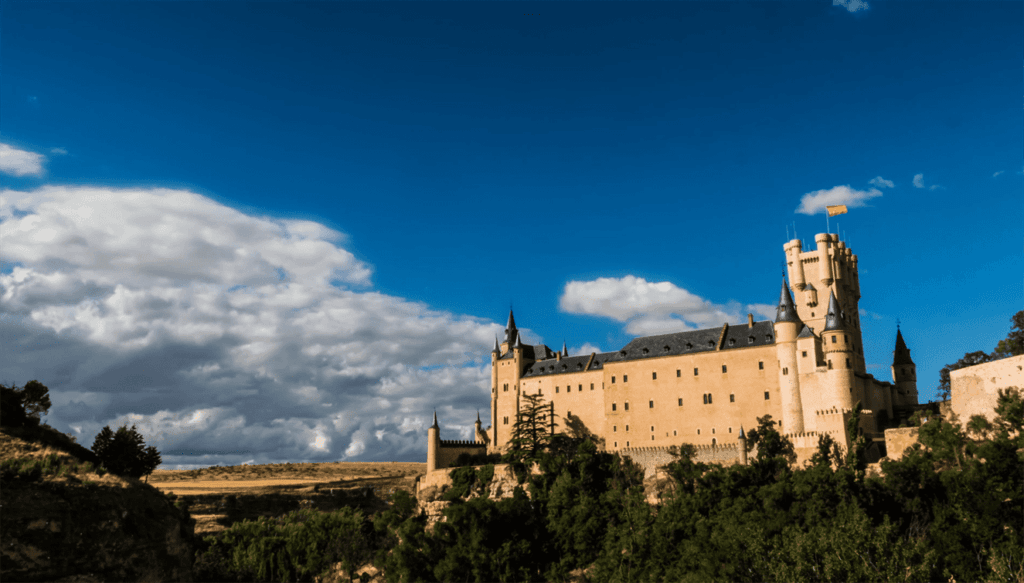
<point>538,352</point>
<point>833,319</point>
<point>690,342</point>
<point>786,311</point>
<point>806,333</point>
<point>902,354</point>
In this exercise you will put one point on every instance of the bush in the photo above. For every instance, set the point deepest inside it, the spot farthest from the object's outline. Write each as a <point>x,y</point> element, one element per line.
<point>125,453</point>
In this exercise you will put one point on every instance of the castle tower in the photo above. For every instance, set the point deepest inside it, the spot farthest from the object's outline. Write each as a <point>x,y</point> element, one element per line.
<point>495,355</point>
<point>511,333</point>
<point>904,373</point>
<point>507,367</point>
<point>830,269</point>
<point>839,357</point>
<point>433,444</point>
<point>478,434</point>
<point>787,326</point>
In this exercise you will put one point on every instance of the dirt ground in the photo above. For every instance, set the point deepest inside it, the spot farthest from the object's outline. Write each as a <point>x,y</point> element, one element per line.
<point>275,489</point>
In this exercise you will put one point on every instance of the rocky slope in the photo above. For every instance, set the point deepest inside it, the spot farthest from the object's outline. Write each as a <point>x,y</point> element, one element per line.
<point>61,520</point>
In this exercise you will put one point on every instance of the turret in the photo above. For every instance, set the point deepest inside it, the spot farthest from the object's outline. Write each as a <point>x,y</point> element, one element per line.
<point>742,439</point>
<point>511,333</point>
<point>565,351</point>
<point>839,357</point>
<point>795,264</point>
<point>904,373</point>
<point>478,434</point>
<point>433,444</point>
<point>787,326</point>
<point>824,241</point>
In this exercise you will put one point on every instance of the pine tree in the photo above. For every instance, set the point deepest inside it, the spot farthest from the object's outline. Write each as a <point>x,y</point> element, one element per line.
<point>125,453</point>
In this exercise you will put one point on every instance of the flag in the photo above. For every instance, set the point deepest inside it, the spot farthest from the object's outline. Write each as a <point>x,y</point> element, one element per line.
<point>839,209</point>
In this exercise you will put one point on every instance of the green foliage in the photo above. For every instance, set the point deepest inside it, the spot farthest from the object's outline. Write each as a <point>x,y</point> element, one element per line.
<point>20,406</point>
<point>1013,345</point>
<point>296,547</point>
<point>478,459</point>
<point>532,431</point>
<point>27,469</point>
<point>125,453</point>
<point>769,442</point>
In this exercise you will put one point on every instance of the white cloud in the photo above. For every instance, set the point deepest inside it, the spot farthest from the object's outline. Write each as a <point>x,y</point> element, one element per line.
<point>20,162</point>
<point>648,308</point>
<point>58,151</point>
<point>226,337</point>
<point>851,5</point>
<point>995,175</point>
<point>919,180</point>
<point>587,348</point>
<point>815,202</point>
<point>881,182</point>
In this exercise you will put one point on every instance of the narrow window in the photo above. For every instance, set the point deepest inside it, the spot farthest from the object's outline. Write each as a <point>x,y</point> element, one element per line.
<point>581,387</point>
<point>654,376</point>
<point>847,363</point>
<point>712,431</point>
<point>556,389</point>
<point>724,369</point>
<point>616,444</point>
<point>709,398</point>
<point>767,395</point>
<point>652,438</point>
<point>652,428</point>
<point>673,433</point>
<point>830,365</point>
<point>760,365</point>
<point>613,406</point>
<point>695,372</point>
<point>833,339</point>
<point>627,444</point>
<point>679,373</point>
<point>732,397</point>
<point>613,380</point>
<point>591,386</point>
<point>626,406</point>
<point>615,428</point>
<point>804,354</point>
<point>698,432</point>
<point>846,338</point>
<point>627,428</point>
<point>705,398</point>
<point>785,370</point>
<point>651,404</point>
<point>714,441</point>
<point>730,430</point>
<point>680,401</point>
<point>625,378</point>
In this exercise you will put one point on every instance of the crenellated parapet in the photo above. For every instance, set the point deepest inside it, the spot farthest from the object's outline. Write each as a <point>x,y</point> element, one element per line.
<point>461,443</point>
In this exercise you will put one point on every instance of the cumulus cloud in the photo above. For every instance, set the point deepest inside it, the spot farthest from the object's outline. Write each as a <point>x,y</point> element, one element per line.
<point>648,308</point>
<point>17,162</point>
<point>225,337</point>
<point>851,5</point>
<point>919,180</point>
<point>996,175</point>
<point>815,202</point>
<point>587,348</point>
<point>881,182</point>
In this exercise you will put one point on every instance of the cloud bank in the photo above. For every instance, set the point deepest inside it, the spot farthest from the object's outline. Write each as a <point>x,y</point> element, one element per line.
<point>226,337</point>
<point>851,5</point>
<point>650,308</point>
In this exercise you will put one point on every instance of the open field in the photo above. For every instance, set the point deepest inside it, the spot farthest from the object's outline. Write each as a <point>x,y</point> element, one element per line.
<point>275,489</point>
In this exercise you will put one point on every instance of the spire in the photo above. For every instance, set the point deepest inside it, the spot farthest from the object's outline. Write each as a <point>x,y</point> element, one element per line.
<point>565,351</point>
<point>434,426</point>
<point>519,342</point>
<point>511,334</point>
<point>496,349</point>
<point>742,435</point>
<point>832,318</point>
<point>902,354</point>
<point>786,311</point>
<point>478,416</point>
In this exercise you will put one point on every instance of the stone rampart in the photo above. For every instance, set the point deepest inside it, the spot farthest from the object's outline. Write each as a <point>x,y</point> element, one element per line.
<point>449,450</point>
<point>897,440</point>
<point>651,458</point>
<point>975,389</point>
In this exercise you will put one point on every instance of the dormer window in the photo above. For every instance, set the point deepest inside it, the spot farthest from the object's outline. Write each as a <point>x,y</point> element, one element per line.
<point>665,348</point>
<point>645,351</point>
<point>732,342</point>
<point>711,343</point>
<point>622,353</point>
<point>750,339</point>
<point>689,345</point>
<point>768,337</point>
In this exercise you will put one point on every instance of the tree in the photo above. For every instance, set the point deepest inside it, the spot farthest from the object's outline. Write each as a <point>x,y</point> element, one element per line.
<point>533,429</point>
<point>125,453</point>
<point>1013,345</point>
<point>769,442</point>
<point>969,359</point>
<point>24,404</point>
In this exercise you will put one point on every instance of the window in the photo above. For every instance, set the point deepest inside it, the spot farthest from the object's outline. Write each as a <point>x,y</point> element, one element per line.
<point>833,339</point>
<point>730,430</point>
<point>709,398</point>
<point>712,431</point>
<point>714,441</point>
<point>673,433</point>
<point>830,365</point>
<point>651,404</point>
<point>506,420</point>
<point>556,389</point>
<point>627,444</point>
<point>698,432</point>
<point>767,395</point>
<point>724,369</point>
<point>750,339</point>
<point>732,342</point>
<point>760,365</point>
<point>804,354</point>
<point>705,398</point>
<point>679,373</point>
<point>626,406</point>
<point>540,391</point>
<point>695,371</point>
<point>615,428</point>
<point>613,406</point>
<point>680,401</point>
<point>652,438</point>
<point>627,428</point>
<point>847,363</point>
<point>846,338</point>
<point>625,378</point>
<point>613,380</point>
<point>652,428</point>
<point>654,376</point>
<point>732,397</point>
<point>616,444</point>
<point>591,386</point>
<point>785,370</point>
<point>581,387</point>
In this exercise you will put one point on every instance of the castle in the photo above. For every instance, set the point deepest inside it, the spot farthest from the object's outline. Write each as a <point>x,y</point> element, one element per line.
<point>806,369</point>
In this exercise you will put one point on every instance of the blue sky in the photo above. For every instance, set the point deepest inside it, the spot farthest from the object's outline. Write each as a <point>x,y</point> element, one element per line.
<point>278,231</point>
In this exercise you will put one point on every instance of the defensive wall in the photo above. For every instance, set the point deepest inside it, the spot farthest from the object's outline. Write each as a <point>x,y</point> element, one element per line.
<point>975,389</point>
<point>897,441</point>
<point>448,450</point>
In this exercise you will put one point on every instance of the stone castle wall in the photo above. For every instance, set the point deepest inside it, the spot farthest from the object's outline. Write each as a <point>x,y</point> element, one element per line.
<point>975,389</point>
<point>450,449</point>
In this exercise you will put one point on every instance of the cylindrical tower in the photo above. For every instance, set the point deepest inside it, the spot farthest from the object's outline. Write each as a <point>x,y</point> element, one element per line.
<point>787,326</point>
<point>433,444</point>
<point>742,439</point>
<point>839,357</point>
<point>796,267</point>
<point>823,241</point>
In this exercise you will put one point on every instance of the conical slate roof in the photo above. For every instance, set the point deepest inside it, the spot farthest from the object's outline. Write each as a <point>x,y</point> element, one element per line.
<point>434,426</point>
<point>742,435</point>
<point>902,354</point>
<point>786,311</point>
<point>565,351</point>
<point>511,334</point>
<point>519,342</point>
<point>833,320</point>
<point>496,348</point>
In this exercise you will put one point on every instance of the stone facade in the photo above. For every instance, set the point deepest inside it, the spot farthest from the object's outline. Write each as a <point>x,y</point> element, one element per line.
<point>974,389</point>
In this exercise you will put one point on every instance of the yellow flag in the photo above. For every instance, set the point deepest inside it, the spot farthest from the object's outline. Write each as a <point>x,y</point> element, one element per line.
<point>839,209</point>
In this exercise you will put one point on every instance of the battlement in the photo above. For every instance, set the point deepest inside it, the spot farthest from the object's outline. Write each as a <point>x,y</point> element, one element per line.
<point>460,443</point>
